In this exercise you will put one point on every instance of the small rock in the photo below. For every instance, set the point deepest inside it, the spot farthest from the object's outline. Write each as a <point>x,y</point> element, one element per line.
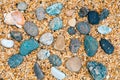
<point>28,46</point>
<point>83,12</point>
<point>72,22</point>
<point>83,27</point>
<point>46,38</point>
<point>31,28</point>
<point>71,30</point>
<point>60,43</point>
<point>55,60</point>
<point>104,29</point>
<point>57,73</point>
<point>97,70</point>
<point>74,64</point>
<point>15,60</point>
<point>90,45</point>
<point>43,54</point>
<point>74,45</point>
<point>38,72</point>
<point>104,14</point>
<point>106,46</point>
<point>56,23</point>
<point>7,43</point>
<point>69,12</point>
<point>54,9</point>
<point>40,13</point>
<point>16,35</point>
<point>93,17</point>
<point>22,6</point>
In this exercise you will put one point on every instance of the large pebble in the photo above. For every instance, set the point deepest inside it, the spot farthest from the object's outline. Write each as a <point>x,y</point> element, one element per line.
<point>54,9</point>
<point>38,72</point>
<point>31,28</point>
<point>28,46</point>
<point>104,14</point>
<point>106,46</point>
<point>104,29</point>
<point>40,13</point>
<point>16,35</point>
<point>46,38</point>
<point>55,60</point>
<point>97,70</point>
<point>60,43</point>
<point>72,22</point>
<point>7,43</point>
<point>90,45</point>
<point>15,60</point>
<point>56,23</point>
<point>74,64</point>
<point>74,45</point>
<point>43,54</point>
<point>57,73</point>
<point>71,30</point>
<point>22,6</point>
<point>83,27</point>
<point>83,12</point>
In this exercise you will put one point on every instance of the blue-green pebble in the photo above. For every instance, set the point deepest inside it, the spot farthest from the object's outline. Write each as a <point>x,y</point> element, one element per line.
<point>71,30</point>
<point>104,14</point>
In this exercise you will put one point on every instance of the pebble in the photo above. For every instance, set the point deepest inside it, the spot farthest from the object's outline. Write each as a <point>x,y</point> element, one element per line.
<point>56,23</point>
<point>7,43</point>
<point>83,12</point>
<point>40,13</point>
<point>38,72</point>
<point>104,29</point>
<point>69,12</point>
<point>22,6</point>
<point>57,73</point>
<point>55,60</point>
<point>54,9</point>
<point>74,64</point>
<point>97,70</point>
<point>15,60</point>
<point>93,17</point>
<point>90,45</point>
<point>104,14</point>
<point>16,35</point>
<point>60,43</point>
<point>46,38</point>
<point>72,22</point>
<point>106,46</point>
<point>31,28</point>
<point>71,30</point>
<point>83,27</point>
<point>43,54</point>
<point>28,46</point>
<point>74,45</point>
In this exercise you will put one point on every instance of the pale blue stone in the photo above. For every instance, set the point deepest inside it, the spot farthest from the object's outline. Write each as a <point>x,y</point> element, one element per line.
<point>104,29</point>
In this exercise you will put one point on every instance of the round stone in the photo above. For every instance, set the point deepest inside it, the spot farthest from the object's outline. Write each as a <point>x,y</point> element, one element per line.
<point>22,6</point>
<point>40,13</point>
<point>71,30</point>
<point>83,12</point>
<point>16,35</point>
<point>46,38</point>
<point>31,28</point>
<point>7,43</point>
<point>72,22</point>
<point>74,64</point>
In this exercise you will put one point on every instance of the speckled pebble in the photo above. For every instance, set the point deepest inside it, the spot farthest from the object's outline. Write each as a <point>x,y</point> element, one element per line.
<point>40,13</point>
<point>83,12</point>
<point>71,30</point>
<point>104,14</point>
<point>16,35</point>
<point>7,43</point>
<point>72,22</point>
<point>22,6</point>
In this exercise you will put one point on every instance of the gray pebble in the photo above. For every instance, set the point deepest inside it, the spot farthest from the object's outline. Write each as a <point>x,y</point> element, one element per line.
<point>16,35</point>
<point>40,13</point>
<point>83,12</point>
<point>22,6</point>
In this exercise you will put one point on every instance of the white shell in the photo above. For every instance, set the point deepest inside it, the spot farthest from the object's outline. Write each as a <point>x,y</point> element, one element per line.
<point>7,43</point>
<point>57,73</point>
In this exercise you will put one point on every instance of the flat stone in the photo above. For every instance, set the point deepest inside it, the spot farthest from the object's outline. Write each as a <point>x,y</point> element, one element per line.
<point>60,43</point>
<point>72,22</point>
<point>28,46</point>
<point>16,35</point>
<point>54,9</point>
<point>97,70</point>
<point>15,60</point>
<point>69,12</point>
<point>83,12</point>
<point>106,46</point>
<point>74,45</point>
<point>57,73</point>
<point>56,23</point>
<point>83,27</point>
<point>43,54</point>
<point>7,43</point>
<point>104,14</point>
<point>22,6</point>
<point>90,45</point>
<point>46,38</point>
<point>38,72</point>
<point>31,28</point>
<point>40,13</point>
<point>104,29</point>
<point>55,60</point>
<point>74,64</point>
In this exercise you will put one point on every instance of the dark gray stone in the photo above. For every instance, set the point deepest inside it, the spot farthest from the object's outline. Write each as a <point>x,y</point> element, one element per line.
<point>83,12</point>
<point>104,14</point>
<point>16,35</point>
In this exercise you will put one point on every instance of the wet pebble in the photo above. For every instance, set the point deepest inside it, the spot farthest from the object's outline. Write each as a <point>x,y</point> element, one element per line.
<point>104,14</point>
<point>40,13</point>
<point>7,43</point>
<point>83,12</point>
<point>16,35</point>
<point>69,12</point>
<point>72,22</point>
<point>71,30</point>
<point>22,6</point>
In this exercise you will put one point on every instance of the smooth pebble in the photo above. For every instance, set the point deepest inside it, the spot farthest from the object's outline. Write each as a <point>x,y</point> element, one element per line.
<point>22,6</point>
<point>40,13</point>
<point>104,14</point>
<point>69,12</point>
<point>71,30</point>
<point>7,43</point>
<point>16,35</point>
<point>72,22</point>
<point>83,12</point>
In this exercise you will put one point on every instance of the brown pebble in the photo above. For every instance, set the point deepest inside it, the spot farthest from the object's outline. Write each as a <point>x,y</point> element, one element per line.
<point>70,12</point>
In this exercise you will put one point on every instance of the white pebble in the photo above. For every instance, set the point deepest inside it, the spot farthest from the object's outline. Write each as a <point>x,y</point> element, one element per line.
<point>104,29</point>
<point>72,22</point>
<point>7,43</point>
